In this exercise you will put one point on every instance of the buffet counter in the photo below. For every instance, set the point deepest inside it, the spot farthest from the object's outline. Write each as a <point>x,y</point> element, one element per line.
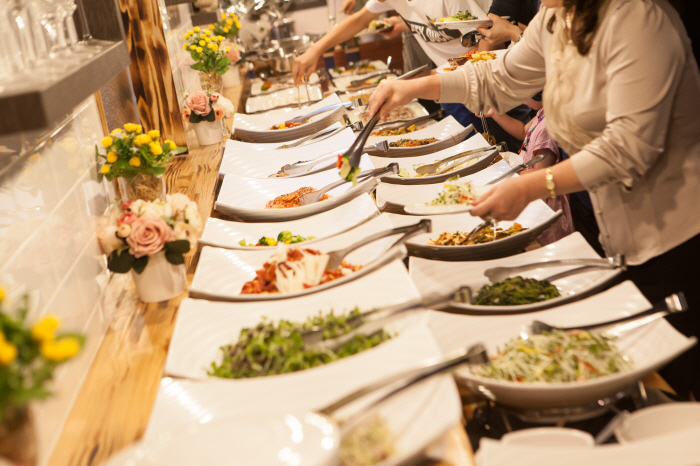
<point>115,401</point>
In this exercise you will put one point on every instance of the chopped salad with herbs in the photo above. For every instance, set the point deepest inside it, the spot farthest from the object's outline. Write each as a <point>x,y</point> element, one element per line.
<point>455,192</point>
<point>460,16</point>
<point>516,290</point>
<point>270,348</point>
<point>557,356</point>
<point>285,237</point>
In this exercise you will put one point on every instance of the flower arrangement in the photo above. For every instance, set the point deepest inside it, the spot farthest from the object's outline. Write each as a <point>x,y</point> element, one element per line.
<point>128,151</point>
<point>228,27</point>
<point>200,106</point>
<point>206,50</point>
<point>133,231</point>
<point>29,356</point>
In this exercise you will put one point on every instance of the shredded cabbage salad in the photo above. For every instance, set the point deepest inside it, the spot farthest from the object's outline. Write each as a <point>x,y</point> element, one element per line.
<point>455,192</point>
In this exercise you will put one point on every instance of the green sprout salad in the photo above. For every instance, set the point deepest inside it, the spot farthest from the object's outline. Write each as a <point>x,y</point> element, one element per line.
<point>460,16</point>
<point>455,192</point>
<point>559,356</point>
<point>516,290</point>
<point>270,348</point>
<point>285,237</point>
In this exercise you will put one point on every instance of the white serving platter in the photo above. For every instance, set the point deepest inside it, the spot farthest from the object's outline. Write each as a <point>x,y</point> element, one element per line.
<point>442,129</point>
<point>342,83</point>
<point>244,199</point>
<point>226,234</point>
<point>256,84</point>
<point>464,26</point>
<point>254,163</point>
<point>378,64</point>
<point>415,199</point>
<point>283,98</point>
<point>269,146</point>
<point>536,217</point>
<point>410,162</point>
<point>415,106</point>
<point>255,128</point>
<point>445,67</point>
<point>221,273</point>
<point>436,276</point>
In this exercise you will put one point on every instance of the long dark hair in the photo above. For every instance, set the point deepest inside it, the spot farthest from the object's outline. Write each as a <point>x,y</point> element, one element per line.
<point>583,26</point>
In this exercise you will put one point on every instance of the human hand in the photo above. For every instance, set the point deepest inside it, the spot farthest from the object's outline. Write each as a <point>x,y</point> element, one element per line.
<point>304,65</point>
<point>388,95</point>
<point>505,201</point>
<point>398,24</point>
<point>489,113</point>
<point>501,31</point>
<point>348,7</point>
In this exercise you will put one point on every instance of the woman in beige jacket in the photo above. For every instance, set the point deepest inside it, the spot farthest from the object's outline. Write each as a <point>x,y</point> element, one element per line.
<point>622,97</point>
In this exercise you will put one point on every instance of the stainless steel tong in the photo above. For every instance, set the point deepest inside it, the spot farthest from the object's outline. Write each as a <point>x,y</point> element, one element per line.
<point>517,169</point>
<point>498,274</point>
<point>462,157</point>
<point>439,114</point>
<point>303,167</point>
<point>314,196</point>
<point>372,321</point>
<point>327,108</point>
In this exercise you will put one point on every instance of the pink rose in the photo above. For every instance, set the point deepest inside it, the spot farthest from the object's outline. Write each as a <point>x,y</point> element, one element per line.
<point>125,205</point>
<point>148,235</point>
<point>198,102</point>
<point>234,55</point>
<point>214,97</point>
<point>127,217</point>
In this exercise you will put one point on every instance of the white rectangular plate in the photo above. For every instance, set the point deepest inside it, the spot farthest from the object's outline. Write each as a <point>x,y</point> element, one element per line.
<point>442,129</point>
<point>378,65</point>
<point>225,234</point>
<point>343,82</point>
<point>283,98</point>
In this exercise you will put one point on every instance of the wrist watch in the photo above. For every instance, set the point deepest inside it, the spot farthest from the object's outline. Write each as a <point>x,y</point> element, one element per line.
<point>549,183</point>
<point>520,37</point>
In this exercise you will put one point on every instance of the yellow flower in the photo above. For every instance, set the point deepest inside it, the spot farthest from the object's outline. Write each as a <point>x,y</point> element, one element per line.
<point>199,49</point>
<point>170,144</point>
<point>202,43</point>
<point>115,132</point>
<point>45,328</point>
<point>196,29</point>
<point>8,353</point>
<point>229,22</point>
<point>226,29</point>
<point>156,149</point>
<point>106,141</point>
<point>238,25</point>
<point>111,157</point>
<point>214,47</point>
<point>142,139</point>
<point>223,16</point>
<point>207,39</point>
<point>105,169</point>
<point>60,350</point>
<point>193,47</point>
<point>135,162</point>
<point>211,26</point>
<point>184,46</point>
<point>2,291</point>
<point>219,38</point>
<point>154,134</point>
<point>132,128</point>
<point>228,49</point>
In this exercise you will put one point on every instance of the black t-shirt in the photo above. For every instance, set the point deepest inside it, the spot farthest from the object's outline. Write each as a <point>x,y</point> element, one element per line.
<point>521,11</point>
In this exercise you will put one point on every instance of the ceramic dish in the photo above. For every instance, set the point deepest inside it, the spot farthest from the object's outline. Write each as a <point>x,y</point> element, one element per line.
<point>431,276</point>
<point>269,146</point>
<point>464,26</point>
<point>408,164</point>
<point>658,421</point>
<point>257,83</point>
<point>256,128</point>
<point>343,83</point>
<point>221,273</point>
<point>396,198</point>
<point>536,217</point>
<point>252,163</point>
<point>440,130</point>
<point>416,110</point>
<point>283,98</point>
<point>225,234</point>
<point>244,199</point>
<point>378,65</point>
<point>445,67</point>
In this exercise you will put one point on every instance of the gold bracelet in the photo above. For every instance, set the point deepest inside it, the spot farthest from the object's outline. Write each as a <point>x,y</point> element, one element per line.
<point>549,183</point>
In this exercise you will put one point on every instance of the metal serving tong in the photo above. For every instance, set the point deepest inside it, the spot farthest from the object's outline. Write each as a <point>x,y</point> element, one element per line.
<point>398,382</point>
<point>671,305</point>
<point>300,119</point>
<point>517,169</point>
<point>358,82</point>
<point>372,321</point>
<point>314,196</point>
<point>396,124</point>
<point>354,153</point>
<point>320,136</point>
<point>498,274</point>
<point>303,167</point>
<point>434,168</point>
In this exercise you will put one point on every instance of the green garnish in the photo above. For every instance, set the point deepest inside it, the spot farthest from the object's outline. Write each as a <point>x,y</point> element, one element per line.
<point>516,290</point>
<point>285,237</point>
<point>269,348</point>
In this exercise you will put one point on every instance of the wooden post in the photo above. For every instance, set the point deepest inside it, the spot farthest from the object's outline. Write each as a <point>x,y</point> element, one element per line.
<point>151,74</point>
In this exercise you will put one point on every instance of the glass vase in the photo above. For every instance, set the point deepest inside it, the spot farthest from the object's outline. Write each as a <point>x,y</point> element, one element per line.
<point>17,436</point>
<point>141,186</point>
<point>211,82</point>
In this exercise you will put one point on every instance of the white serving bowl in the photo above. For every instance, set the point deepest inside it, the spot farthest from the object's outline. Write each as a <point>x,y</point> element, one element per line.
<point>661,420</point>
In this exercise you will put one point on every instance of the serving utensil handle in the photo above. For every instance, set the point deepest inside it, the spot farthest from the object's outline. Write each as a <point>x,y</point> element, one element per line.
<point>497,274</point>
<point>536,159</point>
